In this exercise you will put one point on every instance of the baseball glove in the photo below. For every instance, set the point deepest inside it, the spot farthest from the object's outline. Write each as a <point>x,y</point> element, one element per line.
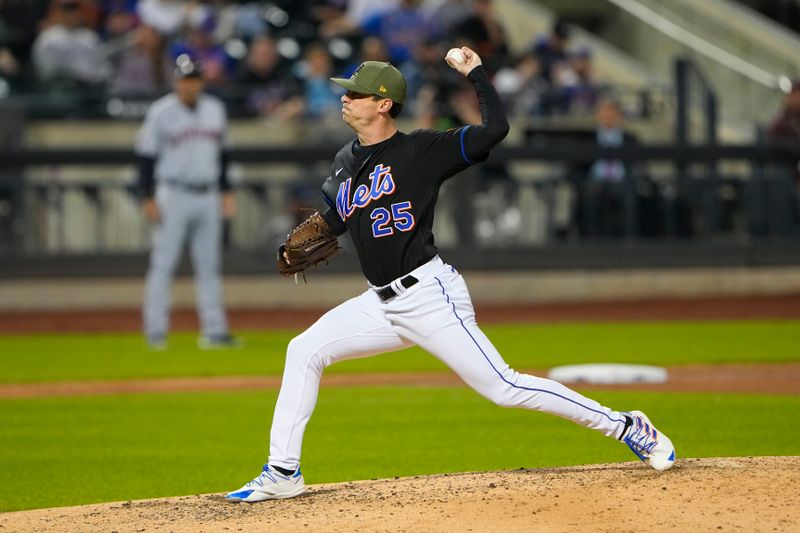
<point>307,245</point>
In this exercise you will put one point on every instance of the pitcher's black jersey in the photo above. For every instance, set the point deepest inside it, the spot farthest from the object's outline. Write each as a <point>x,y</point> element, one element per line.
<point>385,194</point>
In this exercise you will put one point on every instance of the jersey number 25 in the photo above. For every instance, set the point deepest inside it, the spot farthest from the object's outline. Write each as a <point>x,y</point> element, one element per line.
<point>399,217</point>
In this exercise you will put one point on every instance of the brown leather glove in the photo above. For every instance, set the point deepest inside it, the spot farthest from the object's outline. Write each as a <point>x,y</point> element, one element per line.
<point>307,245</point>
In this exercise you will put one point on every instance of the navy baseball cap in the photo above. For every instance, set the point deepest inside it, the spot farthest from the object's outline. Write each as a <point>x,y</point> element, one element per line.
<point>185,67</point>
<point>377,78</point>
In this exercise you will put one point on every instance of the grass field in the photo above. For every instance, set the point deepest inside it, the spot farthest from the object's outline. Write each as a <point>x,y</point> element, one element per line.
<point>66,451</point>
<point>25,359</point>
<point>81,450</point>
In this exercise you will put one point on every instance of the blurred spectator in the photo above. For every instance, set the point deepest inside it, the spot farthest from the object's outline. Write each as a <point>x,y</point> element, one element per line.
<point>522,87</point>
<point>345,17</point>
<point>120,17</point>
<point>452,12</point>
<point>200,46</point>
<point>786,125</point>
<point>318,99</point>
<point>609,133</point>
<point>575,89</point>
<point>19,22</point>
<point>613,202</point>
<point>484,31</point>
<point>265,81</point>
<point>9,66</point>
<point>241,20</point>
<point>403,29</point>
<point>67,51</point>
<point>326,10</point>
<point>93,16</point>
<point>167,16</point>
<point>142,68</point>
<point>371,49</point>
<point>551,51</point>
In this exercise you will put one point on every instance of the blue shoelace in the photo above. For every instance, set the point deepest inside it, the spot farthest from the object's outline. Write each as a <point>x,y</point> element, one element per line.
<point>641,439</point>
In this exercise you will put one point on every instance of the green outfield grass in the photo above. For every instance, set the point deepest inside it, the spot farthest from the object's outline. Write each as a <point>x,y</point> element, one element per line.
<point>39,358</point>
<point>66,451</point>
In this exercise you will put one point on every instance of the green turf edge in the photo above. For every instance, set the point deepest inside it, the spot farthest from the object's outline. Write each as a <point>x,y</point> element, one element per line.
<point>29,359</point>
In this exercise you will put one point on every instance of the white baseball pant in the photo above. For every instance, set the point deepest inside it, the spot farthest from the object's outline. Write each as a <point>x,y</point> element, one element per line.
<point>436,314</point>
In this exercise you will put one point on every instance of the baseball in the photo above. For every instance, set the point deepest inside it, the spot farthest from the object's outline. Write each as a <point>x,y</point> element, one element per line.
<point>455,55</point>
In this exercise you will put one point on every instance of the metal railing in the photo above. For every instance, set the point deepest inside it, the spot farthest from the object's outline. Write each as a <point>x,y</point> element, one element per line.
<point>524,196</point>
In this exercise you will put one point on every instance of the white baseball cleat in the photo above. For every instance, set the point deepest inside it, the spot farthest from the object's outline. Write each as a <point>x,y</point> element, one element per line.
<point>269,485</point>
<point>649,445</point>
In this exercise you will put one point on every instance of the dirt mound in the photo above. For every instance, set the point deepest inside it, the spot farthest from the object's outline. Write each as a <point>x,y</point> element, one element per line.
<point>718,494</point>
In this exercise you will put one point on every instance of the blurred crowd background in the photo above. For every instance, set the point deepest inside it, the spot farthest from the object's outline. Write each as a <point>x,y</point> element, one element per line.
<point>635,75</point>
<point>274,58</point>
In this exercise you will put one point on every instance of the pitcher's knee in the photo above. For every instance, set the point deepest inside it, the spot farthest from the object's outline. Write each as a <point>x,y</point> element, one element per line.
<point>301,352</point>
<point>296,349</point>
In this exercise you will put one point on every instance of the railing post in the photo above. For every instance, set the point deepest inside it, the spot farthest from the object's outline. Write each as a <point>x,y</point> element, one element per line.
<point>711,118</point>
<point>681,138</point>
<point>681,96</point>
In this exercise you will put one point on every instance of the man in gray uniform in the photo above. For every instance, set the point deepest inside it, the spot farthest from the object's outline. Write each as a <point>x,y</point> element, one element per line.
<point>182,169</point>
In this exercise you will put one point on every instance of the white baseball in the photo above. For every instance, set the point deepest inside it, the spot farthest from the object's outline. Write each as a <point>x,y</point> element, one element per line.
<point>455,55</point>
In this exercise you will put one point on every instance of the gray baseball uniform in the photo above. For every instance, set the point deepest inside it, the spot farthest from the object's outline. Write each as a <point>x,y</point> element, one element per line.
<point>185,145</point>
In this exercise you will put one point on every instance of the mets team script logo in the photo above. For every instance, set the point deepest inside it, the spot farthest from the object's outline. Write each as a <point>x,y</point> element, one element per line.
<point>381,183</point>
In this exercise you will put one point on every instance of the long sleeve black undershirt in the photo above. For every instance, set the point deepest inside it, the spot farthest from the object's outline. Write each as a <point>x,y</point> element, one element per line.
<point>494,127</point>
<point>147,181</point>
<point>224,159</point>
<point>331,216</point>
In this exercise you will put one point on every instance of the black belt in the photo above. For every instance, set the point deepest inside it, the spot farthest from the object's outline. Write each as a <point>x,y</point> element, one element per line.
<point>196,188</point>
<point>387,293</point>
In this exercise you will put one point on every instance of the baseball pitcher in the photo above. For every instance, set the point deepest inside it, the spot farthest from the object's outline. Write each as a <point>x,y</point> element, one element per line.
<point>382,191</point>
<point>182,169</point>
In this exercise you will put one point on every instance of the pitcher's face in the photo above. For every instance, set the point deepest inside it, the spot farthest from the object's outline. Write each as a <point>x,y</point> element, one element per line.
<point>359,108</point>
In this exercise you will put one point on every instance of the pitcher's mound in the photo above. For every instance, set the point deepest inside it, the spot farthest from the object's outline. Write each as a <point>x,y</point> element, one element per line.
<point>716,494</point>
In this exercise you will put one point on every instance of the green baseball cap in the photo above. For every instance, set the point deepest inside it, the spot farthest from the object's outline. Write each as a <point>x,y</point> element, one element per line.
<point>377,78</point>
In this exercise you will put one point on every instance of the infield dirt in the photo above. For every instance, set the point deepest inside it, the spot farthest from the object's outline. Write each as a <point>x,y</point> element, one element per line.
<point>717,494</point>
